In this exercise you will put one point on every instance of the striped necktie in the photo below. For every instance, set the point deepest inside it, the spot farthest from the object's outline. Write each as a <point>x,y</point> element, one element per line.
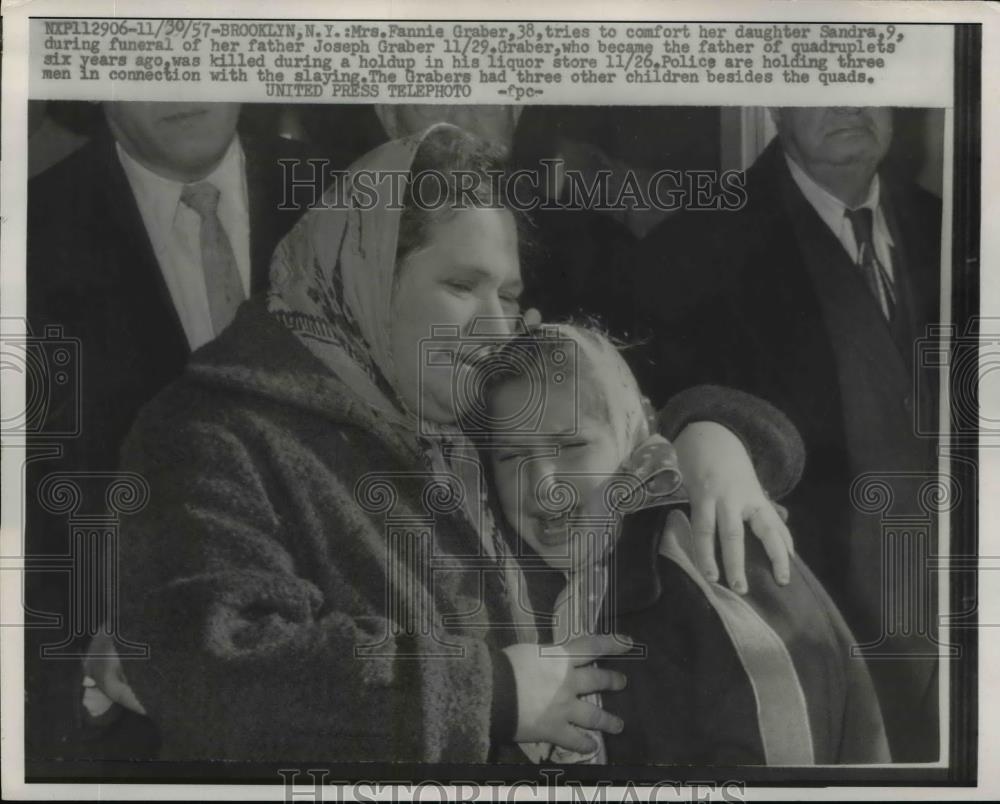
<point>874,272</point>
<point>222,276</point>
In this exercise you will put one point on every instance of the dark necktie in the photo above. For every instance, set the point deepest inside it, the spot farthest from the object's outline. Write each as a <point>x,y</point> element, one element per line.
<point>222,276</point>
<point>874,272</point>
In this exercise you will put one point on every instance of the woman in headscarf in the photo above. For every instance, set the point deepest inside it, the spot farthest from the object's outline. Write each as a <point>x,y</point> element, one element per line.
<point>317,574</point>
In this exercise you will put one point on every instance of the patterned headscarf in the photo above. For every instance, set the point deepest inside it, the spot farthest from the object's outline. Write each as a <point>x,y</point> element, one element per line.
<point>332,276</point>
<point>332,280</point>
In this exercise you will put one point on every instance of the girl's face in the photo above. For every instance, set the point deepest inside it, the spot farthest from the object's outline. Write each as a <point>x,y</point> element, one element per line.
<point>468,269</point>
<point>529,472</point>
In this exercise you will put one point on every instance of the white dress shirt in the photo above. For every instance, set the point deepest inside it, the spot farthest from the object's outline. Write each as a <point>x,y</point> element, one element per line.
<point>831,209</point>
<point>174,229</point>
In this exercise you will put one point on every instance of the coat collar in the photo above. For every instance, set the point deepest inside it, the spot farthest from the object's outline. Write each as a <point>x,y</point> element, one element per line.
<point>635,578</point>
<point>259,356</point>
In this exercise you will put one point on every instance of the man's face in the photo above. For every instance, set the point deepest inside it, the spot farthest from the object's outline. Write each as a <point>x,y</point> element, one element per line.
<point>834,136</point>
<point>180,141</point>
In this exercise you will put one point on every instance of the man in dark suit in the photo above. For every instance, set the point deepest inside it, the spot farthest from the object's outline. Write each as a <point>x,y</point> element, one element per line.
<point>814,296</point>
<point>140,245</point>
<point>101,264</point>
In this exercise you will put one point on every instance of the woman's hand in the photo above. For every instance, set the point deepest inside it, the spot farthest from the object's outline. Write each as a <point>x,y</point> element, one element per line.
<point>550,680</point>
<point>725,493</point>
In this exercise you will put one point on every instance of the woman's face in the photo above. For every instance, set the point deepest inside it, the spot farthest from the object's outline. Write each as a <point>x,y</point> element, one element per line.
<point>528,472</point>
<point>467,270</point>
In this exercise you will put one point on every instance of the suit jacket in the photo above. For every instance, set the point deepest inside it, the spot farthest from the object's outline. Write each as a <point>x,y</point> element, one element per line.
<point>767,300</point>
<point>91,269</point>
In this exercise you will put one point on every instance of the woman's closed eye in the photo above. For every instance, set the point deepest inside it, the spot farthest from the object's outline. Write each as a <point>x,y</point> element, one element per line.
<point>459,285</point>
<point>511,302</point>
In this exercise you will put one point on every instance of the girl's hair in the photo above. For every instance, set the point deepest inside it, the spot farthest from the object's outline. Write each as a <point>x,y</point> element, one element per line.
<point>587,358</point>
<point>453,167</point>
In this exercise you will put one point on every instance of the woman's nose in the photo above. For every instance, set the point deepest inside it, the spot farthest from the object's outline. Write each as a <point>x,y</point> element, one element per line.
<point>492,319</point>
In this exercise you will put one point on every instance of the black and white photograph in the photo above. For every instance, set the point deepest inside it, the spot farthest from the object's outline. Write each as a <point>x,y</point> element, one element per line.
<point>532,406</point>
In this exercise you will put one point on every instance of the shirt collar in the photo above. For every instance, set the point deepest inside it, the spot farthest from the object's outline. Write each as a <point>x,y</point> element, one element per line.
<point>831,209</point>
<point>162,195</point>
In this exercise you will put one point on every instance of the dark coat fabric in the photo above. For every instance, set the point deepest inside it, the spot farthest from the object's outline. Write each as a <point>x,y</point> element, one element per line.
<point>286,609</point>
<point>93,275</point>
<point>691,698</point>
<point>767,300</point>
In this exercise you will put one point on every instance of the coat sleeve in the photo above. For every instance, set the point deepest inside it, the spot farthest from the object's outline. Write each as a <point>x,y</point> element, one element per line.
<point>844,712</point>
<point>772,441</point>
<point>248,659</point>
<point>861,728</point>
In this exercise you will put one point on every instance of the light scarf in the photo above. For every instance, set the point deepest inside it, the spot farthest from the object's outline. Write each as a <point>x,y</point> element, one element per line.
<point>332,280</point>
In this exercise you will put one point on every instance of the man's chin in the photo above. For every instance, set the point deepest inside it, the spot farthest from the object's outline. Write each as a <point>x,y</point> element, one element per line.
<point>852,145</point>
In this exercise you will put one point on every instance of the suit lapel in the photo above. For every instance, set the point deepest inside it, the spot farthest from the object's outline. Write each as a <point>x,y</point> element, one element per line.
<point>841,289</point>
<point>264,189</point>
<point>128,225</point>
<point>918,272</point>
<point>780,309</point>
<point>917,260</point>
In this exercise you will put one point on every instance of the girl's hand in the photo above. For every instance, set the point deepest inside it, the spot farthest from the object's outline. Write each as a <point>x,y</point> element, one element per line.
<point>725,493</point>
<point>550,680</point>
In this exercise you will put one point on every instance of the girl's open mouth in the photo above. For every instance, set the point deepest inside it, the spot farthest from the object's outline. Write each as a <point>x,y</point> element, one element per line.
<point>554,530</point>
